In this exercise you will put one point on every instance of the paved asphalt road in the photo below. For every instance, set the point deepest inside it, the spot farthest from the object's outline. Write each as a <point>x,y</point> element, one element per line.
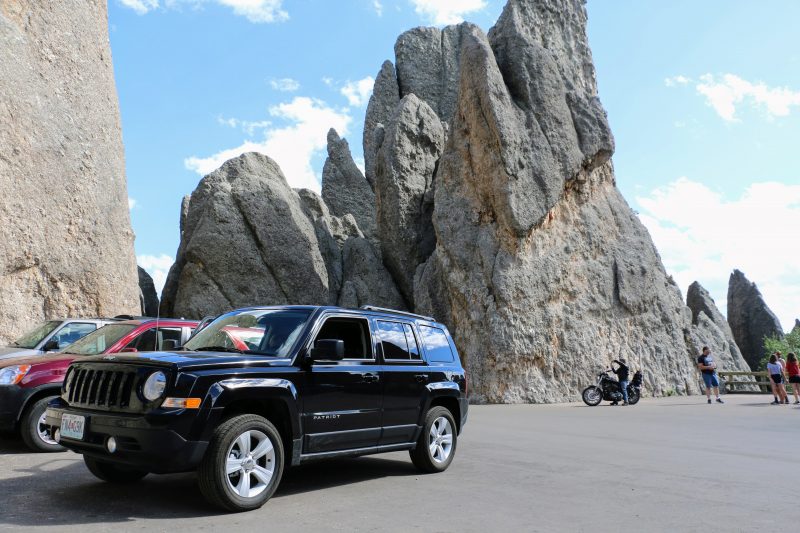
<point>673,464</point>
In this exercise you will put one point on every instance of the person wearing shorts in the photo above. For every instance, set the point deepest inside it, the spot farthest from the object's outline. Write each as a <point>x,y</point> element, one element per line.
<point>775,371</point>
<point>708,369</point>
<point>793,371</point>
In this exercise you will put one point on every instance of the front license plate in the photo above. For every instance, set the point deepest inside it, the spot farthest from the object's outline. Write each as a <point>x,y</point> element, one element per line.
<point>72,426</point>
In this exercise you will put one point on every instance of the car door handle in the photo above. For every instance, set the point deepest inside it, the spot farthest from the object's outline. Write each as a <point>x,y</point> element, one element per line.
<point>421,378</point>
<point>370,378</point>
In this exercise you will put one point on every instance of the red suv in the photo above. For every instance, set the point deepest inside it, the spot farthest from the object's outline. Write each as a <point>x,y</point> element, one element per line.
<point>28,384</point>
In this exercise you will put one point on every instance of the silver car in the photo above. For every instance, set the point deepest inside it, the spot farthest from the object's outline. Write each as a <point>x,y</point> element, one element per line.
<point>52,336</point>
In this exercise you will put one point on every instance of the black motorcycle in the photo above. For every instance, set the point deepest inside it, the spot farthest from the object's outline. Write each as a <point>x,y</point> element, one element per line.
<point>608,389</point>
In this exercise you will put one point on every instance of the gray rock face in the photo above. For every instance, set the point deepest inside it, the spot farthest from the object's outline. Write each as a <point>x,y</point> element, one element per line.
<point>365,280</point>
<point>66,245</point>
<point>384,98</point>
<point>750,318</point>
<point>406,163</point>
<point>545,273</point>
<point>148,298</point>
<point>344,188</point>
<point>247,241</point>
<point>710,328</point>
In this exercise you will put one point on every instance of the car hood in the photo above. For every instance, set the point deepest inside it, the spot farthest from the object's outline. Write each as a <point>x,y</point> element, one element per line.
<point>36,359</point>
<point>187,360</point>
<point>13,352</point>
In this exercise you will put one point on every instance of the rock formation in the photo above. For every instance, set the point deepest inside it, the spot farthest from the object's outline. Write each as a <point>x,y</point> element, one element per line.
<point>750,318</point>
<point>247,238</point>
<point>66,245</point>
<point>710,328</point>
<point>148,297</point>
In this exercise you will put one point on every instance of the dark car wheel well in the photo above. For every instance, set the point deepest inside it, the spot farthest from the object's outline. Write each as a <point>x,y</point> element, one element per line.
<point>276,411</point>
<point>451,404</point>
<point>55,391</point>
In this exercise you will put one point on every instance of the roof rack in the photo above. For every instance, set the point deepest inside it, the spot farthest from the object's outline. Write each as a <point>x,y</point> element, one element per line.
<point>396,312</point>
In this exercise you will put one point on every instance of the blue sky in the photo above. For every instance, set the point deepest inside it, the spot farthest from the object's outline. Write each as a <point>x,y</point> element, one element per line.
<point>703,99</point>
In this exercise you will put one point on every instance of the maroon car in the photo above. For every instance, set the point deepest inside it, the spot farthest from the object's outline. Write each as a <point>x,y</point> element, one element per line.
<point>28,384</point>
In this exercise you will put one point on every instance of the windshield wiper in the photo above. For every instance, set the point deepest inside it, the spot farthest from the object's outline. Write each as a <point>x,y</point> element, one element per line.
<point>218,349</point>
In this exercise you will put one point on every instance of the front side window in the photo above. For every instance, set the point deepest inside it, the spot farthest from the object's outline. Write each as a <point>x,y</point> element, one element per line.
<point>151,340</point>
<point>36,335</point>
<point>271,332</point>
<point>73,332</point>
<point>354,332</point>
<point>100,340</point>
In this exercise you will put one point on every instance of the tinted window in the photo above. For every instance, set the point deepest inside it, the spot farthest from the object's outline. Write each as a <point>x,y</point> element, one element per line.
<point>393,340</point>
<point>73,332</point>
<point>436,345</point>
<point>411,339</point>
<point>146,342</point>
<point>353,331</point>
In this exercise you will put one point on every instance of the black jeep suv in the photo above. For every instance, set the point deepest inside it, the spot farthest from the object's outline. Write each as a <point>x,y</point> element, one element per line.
<point>262,388</point>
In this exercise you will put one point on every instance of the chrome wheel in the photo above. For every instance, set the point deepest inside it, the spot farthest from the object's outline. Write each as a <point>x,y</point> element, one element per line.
<point>440,440</point>
<point>43,430</point>
<point>592,396</point>
<point>250,464</point>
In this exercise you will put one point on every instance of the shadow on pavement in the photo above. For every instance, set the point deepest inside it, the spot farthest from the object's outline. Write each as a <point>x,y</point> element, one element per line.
<point>60,491</point>
<point>11,444</point>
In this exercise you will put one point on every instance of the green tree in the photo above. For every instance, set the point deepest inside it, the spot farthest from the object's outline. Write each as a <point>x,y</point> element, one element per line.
<point>789,343</point>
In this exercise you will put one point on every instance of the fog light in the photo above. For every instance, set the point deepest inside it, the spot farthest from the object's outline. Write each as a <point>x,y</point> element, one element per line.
<point>111,444</point>
<point>57,435</point>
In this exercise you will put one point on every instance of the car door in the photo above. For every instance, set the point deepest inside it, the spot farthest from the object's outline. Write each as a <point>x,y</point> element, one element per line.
<point>342,399</point>
<point>405,376</point>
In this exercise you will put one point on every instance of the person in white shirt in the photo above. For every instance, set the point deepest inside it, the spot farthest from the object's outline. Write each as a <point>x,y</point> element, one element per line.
<point>775,371</point>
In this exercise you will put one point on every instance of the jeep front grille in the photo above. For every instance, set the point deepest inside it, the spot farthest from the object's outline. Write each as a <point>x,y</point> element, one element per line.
<point>103,387</point>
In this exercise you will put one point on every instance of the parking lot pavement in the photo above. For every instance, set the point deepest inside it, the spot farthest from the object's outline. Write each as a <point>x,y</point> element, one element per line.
<point>663,465</point>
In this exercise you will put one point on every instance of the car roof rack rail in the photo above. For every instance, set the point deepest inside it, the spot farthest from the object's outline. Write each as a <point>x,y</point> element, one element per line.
<point>396,312</point>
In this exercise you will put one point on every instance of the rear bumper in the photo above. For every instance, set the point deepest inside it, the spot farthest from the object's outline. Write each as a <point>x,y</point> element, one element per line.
<point>141,443</point>
<point>464,404</point>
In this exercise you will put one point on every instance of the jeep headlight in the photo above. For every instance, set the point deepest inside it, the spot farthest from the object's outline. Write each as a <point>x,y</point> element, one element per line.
<point>154,386</point>
<point>11,375</point>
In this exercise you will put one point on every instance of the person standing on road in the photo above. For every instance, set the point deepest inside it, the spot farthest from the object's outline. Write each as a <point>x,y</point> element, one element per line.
<point>775,371</point>
<point>793,370</point>
<point>622,376</point>
<point>708,368</point>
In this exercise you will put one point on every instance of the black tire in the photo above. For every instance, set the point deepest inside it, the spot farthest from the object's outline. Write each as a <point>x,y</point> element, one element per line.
<point>421,455</point>
<point>217,485</point>
<point>113,473</point>
<point>592,396</point>
<point>633,395</point>
<point>33,433</point>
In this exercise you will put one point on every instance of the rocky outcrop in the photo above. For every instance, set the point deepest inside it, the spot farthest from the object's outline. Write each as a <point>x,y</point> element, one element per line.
<point>710,328</point>
<point>384,98</point>
<point>66,244</point>
<point>344,188</point>
<point>148,297</point>
<point>750,319</point>
<point>406,163</point>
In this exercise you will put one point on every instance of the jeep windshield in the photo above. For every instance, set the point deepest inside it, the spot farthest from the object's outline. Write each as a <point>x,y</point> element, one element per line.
<point>269,332</point>
<point>100,340</point>
<point>35,336</point>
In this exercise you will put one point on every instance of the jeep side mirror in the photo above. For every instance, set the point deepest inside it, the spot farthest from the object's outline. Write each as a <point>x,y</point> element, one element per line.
<point>328,350</point>
<point>50,345</point>
<point>169,344</point>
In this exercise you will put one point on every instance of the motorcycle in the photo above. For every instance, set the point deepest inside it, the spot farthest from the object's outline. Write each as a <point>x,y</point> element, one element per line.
<point>608,389</point>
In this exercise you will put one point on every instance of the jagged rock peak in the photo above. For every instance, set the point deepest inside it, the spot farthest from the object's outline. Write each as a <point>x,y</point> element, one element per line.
<point>148,297</point>
<point>384,98</point>
<point>750,318</point>
<point>344,188</point>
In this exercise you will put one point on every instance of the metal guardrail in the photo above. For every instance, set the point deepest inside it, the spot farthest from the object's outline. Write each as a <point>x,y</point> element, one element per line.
<point>736,382</point>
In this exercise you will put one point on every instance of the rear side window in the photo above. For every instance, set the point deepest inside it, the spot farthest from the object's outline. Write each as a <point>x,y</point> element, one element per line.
<point>398,341</point>
<point>436,345</point>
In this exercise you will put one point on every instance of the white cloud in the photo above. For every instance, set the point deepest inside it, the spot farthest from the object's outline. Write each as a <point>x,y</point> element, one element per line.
<point>157,266</point>
<point>376,4</point>
<point>140,6</point>
<point>702,236</point>
<point>358,92</point>
<point>442,12</point>
<point>676,80</point>
<point>292,146</point>
<point>728,93</point>
<point>131,202</point>
<point>247,126</point>
<point>287,85</point>
<point>257,11</point>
